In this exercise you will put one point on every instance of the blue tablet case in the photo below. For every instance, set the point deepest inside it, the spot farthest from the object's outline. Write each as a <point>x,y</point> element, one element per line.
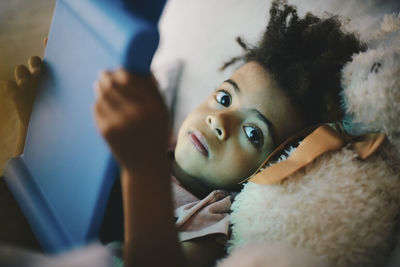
<point>63,179</point>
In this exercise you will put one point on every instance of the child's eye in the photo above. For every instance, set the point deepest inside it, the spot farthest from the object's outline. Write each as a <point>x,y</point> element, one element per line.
<point>224,98</point>
<point>255,135</point>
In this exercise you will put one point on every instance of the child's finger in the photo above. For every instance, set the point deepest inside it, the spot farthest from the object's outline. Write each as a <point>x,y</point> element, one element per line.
<point>99,110</point>
<point>127,85</point>
<point>105,79</point>
<point>35,65</point>
<point>100,115</point>
<point>106,117</point>
<point>123,77</point>
<point>108,90</point>
<point>103,109</point>
<point>113,92</point>
<point>22,76</point>
<point>108,94</point>
<point>134,86</point>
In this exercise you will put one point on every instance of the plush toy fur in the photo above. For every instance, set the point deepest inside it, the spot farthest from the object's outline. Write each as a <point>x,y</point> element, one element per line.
<point>277,255</point>
<point>342,209</point>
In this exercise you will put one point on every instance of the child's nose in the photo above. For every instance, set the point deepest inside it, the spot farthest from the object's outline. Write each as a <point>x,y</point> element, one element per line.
<point>219,124</point>
<point>216,126</point>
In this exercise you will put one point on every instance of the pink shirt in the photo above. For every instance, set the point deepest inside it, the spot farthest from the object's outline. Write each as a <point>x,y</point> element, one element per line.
<point>200,217</point>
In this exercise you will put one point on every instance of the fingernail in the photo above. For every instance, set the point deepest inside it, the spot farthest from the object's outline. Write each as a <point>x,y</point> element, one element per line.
<point>36,71</point>
<point>20,82</point>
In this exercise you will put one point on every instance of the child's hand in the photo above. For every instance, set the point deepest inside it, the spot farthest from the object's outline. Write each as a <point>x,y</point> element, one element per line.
<point>23,90</point>
<point>132,117</point>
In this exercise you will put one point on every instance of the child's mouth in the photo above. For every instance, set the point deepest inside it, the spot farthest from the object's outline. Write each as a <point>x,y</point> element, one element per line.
<point>199,142</point>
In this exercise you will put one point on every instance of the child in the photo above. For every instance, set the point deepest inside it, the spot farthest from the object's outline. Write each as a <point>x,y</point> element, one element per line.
<point>291,80</point>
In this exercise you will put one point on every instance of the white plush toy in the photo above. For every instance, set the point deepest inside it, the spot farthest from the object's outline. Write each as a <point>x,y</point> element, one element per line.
<point>340,209</point>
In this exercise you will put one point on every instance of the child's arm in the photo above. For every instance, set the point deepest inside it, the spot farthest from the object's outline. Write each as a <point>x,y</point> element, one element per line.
<point>203,251</point>
<point>133,119</point>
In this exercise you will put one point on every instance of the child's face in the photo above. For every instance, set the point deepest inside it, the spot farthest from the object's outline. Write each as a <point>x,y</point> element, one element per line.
<point>231,133</point>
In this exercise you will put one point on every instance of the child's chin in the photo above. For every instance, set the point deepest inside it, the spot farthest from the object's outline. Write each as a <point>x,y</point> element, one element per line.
<point>188,161</point>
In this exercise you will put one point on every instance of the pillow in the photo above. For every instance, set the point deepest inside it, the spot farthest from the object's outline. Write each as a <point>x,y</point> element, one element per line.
<point>168,76</point>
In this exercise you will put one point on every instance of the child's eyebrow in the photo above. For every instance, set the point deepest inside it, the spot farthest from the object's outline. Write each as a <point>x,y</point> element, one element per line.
<point>262,118</point>
<point>234,85</point>
<point>256,111</point>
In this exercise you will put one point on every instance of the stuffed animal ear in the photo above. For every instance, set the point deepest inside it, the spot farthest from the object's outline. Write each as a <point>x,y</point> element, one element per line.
<point>390,23</point>
<point>371,90</point>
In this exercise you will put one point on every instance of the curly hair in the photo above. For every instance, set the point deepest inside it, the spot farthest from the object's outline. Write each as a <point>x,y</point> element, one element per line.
<point>305,57</point>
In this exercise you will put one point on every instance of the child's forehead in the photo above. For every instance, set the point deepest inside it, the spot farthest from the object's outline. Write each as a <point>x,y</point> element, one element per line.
<point>255,84</point>
<point>252,76</point>
<point>250,69</point>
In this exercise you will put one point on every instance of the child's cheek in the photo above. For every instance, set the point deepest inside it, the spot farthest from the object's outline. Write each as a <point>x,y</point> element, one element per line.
<point>237,166</point>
